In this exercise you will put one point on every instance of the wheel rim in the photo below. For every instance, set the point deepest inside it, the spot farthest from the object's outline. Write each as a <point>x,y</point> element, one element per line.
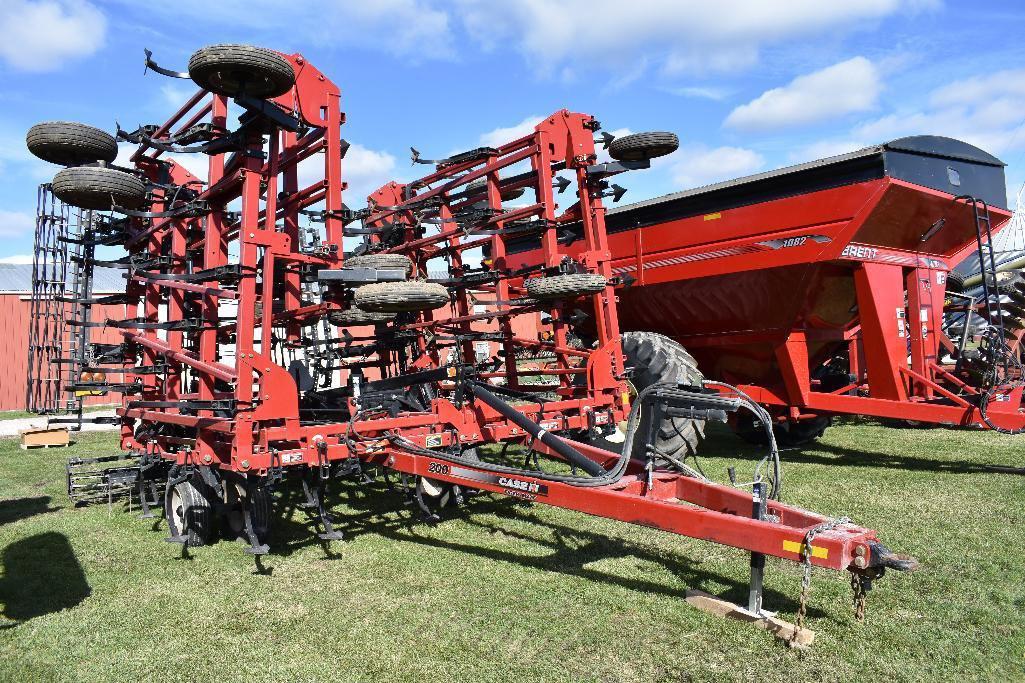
<point>177,511</point>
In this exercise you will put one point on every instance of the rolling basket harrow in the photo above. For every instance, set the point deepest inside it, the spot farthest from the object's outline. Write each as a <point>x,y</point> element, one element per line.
<point>273,333</point>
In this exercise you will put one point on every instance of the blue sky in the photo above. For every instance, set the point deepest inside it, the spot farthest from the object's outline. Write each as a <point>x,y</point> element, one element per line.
<point>748,85</point>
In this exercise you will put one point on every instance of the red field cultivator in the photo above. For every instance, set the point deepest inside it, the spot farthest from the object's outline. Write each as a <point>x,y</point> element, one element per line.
<point>274,333</point>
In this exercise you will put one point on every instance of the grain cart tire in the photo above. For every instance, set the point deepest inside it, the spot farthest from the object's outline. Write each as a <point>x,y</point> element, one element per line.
<point>97,187</point>
<point>955,282</point>
<point>565,286</point>
<point>70,144</point>
<point>791,434</point>
<point>643,146</point>
<point>188,513</point>
<point>398,297</point>
<point>234,498</point>
<point>356,316</point>
<point>655,358</point>
<point>380,261</point>
<point>230,70</point>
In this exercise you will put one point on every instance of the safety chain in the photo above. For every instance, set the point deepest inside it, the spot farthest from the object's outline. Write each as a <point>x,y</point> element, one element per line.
<point>860,589</point>
<point>802,609</point>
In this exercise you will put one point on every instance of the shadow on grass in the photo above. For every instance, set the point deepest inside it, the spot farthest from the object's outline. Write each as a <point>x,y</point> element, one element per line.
<point>374,510</point>
<point>41,575</point>
<point>828,454</point>
<point>22,508</point>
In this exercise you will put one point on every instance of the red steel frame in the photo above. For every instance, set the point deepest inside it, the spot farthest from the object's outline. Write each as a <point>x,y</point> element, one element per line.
<point>267,432</point>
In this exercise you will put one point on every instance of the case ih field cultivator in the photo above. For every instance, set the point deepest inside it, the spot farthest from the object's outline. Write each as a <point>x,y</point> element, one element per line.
<point>257,350</point>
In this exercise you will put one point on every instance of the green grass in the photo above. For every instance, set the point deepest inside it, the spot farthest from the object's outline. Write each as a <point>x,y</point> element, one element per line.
<point>19,414</point>
<point>504,590</point>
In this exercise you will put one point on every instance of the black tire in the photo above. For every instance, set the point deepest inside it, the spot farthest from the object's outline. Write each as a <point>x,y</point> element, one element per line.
<point>381,261</point>
<point>655,358</point>
<point>398,297</point>
<point>234,497</point>
<point>507,195</point>
<point>188,513</point>
<point>356,316</point>
<point>643,146</point>
<point>565,286</point>
<point>98,188</point>
<point>70,144</point>
<point>230,69</point>
<point>955,282</point>
<point>791,434</point>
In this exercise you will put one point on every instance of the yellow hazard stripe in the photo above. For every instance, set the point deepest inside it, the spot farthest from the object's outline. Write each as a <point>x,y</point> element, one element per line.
<point>816,550</point>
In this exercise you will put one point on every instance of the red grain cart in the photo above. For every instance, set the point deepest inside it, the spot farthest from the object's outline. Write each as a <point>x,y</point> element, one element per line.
<point>820,289</point>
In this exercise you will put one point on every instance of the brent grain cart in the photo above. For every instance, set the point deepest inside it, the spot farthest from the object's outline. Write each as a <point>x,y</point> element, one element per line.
<point>261,349</point>
<point>826,288</point>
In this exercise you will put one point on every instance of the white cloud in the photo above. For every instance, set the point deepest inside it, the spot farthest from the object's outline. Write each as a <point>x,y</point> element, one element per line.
<point>17,258</point>
<point>413,29</point>
<point>699,92</point>
<point>844,88</point>
<point>42,35</point>
<point>697,166</point>
<point>501,136</point>
<point>680,36</point>
<point>16,223</point>
<point>826,148</point>
<point>985,110</point>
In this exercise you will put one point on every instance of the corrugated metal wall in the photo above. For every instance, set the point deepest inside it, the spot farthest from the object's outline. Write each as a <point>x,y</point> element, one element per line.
<point>14,329</point>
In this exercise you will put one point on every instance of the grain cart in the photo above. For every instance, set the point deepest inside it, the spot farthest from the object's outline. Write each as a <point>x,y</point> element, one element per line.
<point>258,350</point>
<point>826,288</point>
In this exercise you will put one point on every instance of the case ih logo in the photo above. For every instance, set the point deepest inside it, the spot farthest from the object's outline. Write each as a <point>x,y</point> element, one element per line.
<point>859,252</point>
<point>525,486</point>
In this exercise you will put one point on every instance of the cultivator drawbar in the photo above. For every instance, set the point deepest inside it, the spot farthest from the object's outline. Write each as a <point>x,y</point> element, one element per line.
<point>274,333</point>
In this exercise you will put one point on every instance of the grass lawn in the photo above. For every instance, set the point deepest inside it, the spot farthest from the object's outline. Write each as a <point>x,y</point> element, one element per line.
<point>503,590</point>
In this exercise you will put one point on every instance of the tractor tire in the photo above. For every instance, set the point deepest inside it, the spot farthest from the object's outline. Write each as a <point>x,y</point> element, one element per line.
<point>356,316</point>
<point>399,297</point>
<point>643,146</point>
<point>99,188</point>
<point>565,286</point>
<point>230,70</point>
<point>656,358</point>
<point>788,435</point>
<point>70,144</point>
<point>955,282</point>
<point>380,261</point>
<point>188,514</point>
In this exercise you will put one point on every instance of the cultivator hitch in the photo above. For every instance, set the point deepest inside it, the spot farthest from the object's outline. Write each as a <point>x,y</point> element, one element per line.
<point>262,347</point>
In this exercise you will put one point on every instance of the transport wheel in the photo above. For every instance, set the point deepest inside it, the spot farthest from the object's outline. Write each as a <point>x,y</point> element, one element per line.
<point>99,188</point>
<point>397,297</point>
<point>355,316</point>
<point>656,358</point>
<point>791,434</point>
<point>507,195</point>
<point>234,499</point>
<point>229,69</point>
<point>565,286</point>
<point>642,146</point>
<point>188,513</point>
<point>70,144</point>
<point>380,261</point>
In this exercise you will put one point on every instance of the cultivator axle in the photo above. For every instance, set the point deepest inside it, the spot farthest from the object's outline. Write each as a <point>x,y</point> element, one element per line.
<point>272,333</point>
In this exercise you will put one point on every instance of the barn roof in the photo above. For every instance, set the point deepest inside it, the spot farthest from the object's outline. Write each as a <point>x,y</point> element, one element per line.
<point>16,278</point>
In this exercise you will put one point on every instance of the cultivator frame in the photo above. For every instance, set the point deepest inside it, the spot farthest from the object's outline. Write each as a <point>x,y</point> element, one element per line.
<point>210,404</point>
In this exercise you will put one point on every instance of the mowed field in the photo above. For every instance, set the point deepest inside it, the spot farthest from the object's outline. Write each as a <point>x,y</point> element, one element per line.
<point>502,590</point>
